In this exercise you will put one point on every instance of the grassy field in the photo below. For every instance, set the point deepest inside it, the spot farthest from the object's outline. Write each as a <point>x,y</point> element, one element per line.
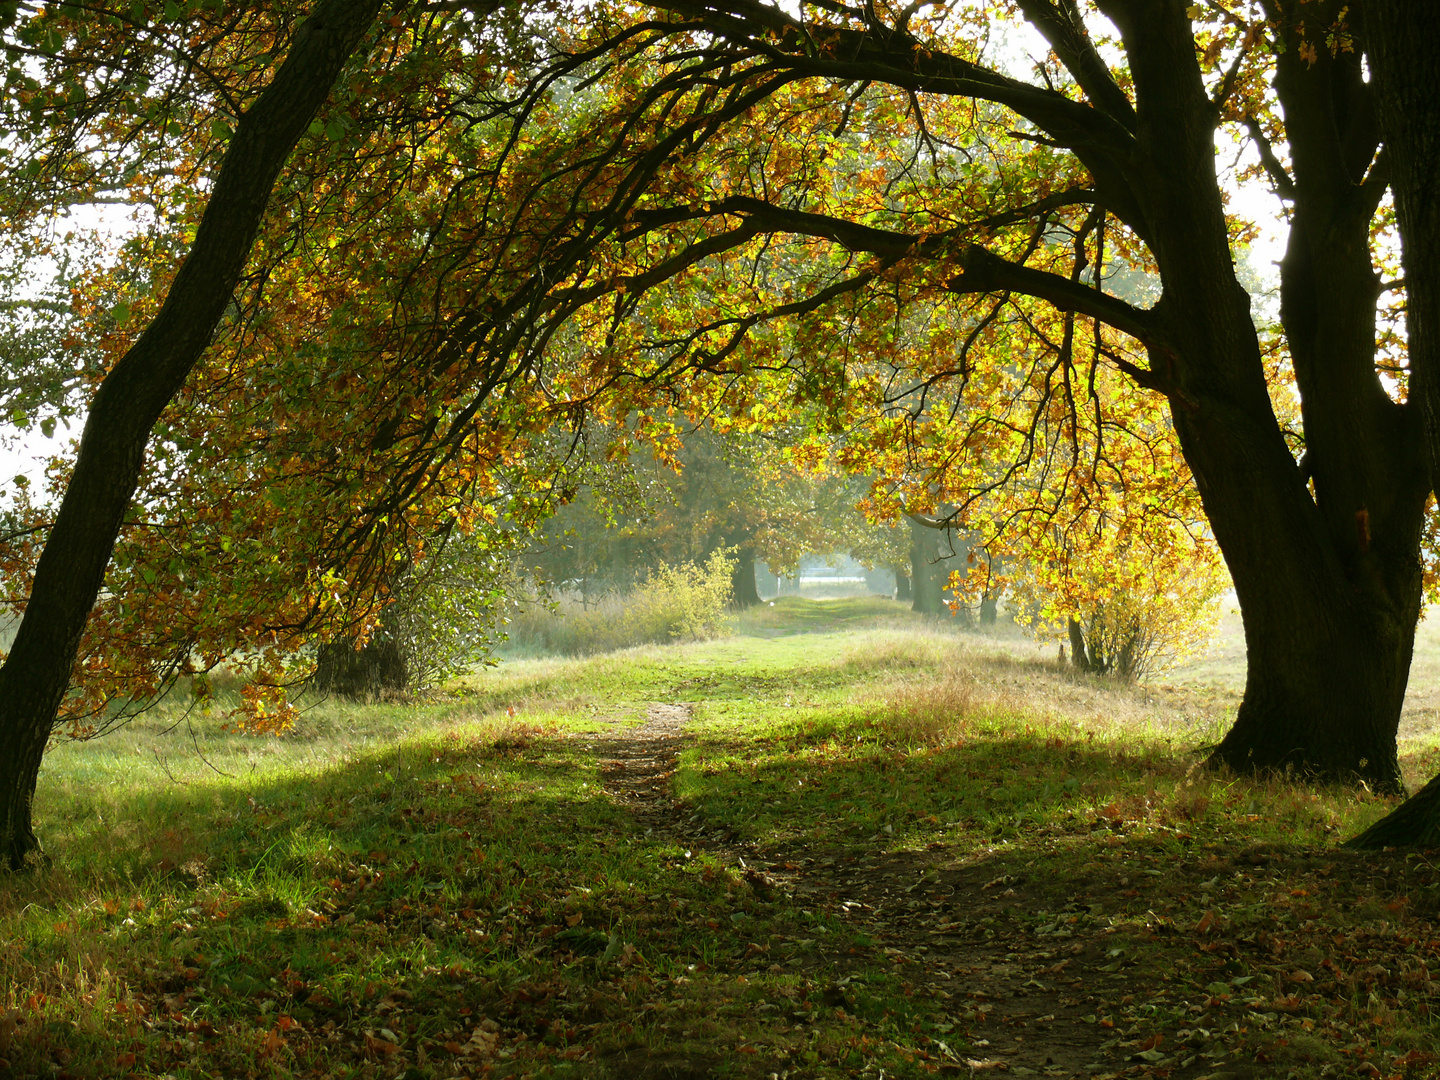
<point>844,841</point>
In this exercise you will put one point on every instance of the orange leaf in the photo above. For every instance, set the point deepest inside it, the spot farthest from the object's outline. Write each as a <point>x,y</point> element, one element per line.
<point>379,1046</point>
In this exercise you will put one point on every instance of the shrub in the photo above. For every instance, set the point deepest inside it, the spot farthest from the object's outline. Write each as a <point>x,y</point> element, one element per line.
<point>444,618</point>
<point>1147,626</point>
<point>686,602</point>
<point>1132,602</point>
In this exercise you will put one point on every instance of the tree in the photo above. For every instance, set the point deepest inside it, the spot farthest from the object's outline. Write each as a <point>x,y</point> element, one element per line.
<point>36,673</point>
<point>1401,48</point>
<point>1003,197</point>
<point>708,490</point>
<point>730,209</point>
<point>282,488</point>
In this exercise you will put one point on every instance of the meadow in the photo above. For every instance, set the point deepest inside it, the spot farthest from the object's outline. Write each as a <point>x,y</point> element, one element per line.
<point>841,841</point>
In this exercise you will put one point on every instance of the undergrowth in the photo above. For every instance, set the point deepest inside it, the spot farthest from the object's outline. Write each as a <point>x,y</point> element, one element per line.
<point>685,602</point>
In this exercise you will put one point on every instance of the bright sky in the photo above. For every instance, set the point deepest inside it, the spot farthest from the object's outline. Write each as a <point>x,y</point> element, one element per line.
<point>25,453</point>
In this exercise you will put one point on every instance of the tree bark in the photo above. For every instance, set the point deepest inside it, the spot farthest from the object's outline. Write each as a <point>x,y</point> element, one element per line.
<point>71,569</point>
<point>1402,44</point>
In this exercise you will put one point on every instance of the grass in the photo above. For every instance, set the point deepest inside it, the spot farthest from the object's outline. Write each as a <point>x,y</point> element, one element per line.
<point>890,841</point>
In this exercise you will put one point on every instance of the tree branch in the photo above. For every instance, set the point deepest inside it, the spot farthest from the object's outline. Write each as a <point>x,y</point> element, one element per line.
<point>981,271</point>
<point>1284,185</point>
<point>842,53</point>
<point>1064,28</point>
<point>868,238</point>
<point>984,271</point>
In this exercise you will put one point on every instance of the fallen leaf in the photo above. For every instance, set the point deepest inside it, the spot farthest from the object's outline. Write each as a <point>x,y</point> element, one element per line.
<point>272,1043</point>
<point>378,1047</point>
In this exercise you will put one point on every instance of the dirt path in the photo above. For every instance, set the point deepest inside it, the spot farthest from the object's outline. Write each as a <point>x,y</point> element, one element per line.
<point>637,764</point>
<point>1061,1000</point>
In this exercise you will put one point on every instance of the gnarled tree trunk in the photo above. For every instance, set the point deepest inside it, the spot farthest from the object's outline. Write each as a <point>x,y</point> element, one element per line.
<point>36,673</point>
<point>1323,555</point>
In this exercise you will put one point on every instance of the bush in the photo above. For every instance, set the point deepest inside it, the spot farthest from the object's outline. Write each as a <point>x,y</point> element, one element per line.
<point>1134,634</point>
<point>686,602</point>
<point>444,618</point>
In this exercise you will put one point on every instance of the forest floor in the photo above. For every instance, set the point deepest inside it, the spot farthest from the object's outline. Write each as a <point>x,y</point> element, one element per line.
<point>840,843</point>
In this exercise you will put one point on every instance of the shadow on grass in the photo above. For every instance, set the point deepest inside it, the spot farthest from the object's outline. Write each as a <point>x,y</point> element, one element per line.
<point>453,906</point>
<point>1051,873</point>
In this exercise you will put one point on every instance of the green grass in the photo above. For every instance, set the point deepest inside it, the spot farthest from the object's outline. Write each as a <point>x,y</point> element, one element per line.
<point>446,888</point>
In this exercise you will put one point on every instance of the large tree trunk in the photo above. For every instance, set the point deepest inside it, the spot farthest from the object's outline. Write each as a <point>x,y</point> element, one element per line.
<point>36,673</point>
<point>1323,557</point>
<point>927,572</point>
<point>1402,45</point>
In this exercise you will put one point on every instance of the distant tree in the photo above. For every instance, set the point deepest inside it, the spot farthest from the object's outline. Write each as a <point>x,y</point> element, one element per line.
<point>717,491</point>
